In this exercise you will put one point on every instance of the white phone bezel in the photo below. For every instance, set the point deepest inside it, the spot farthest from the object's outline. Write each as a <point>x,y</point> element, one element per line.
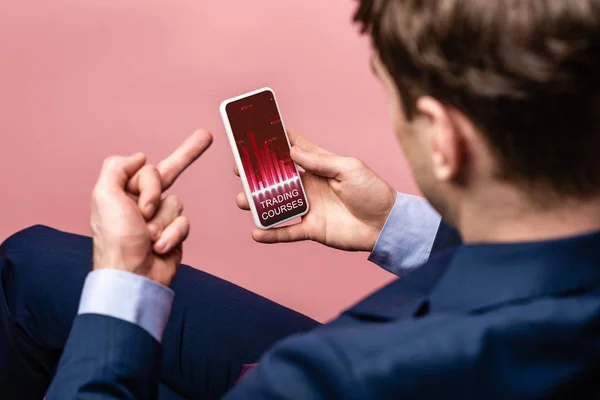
<point>238,160</point>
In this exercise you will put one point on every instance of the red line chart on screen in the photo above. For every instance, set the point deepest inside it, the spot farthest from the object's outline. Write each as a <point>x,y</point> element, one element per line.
<point>267,163</point>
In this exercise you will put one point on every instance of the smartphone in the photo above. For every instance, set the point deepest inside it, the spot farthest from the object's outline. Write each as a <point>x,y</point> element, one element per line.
<point>261,149</point>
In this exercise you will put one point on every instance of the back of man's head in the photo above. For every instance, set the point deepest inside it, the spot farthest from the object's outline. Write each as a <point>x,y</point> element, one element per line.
<point>523,74</point>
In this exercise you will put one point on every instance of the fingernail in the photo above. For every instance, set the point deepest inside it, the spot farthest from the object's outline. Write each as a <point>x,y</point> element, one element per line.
<point>153,229</point>
<point>150,209</point>
<point>161,245</point>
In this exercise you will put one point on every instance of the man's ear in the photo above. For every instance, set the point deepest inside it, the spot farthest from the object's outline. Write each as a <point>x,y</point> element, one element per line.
<point>445,140</point>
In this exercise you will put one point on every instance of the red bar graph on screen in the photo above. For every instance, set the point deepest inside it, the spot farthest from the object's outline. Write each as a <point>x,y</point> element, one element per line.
<point>265,164</point>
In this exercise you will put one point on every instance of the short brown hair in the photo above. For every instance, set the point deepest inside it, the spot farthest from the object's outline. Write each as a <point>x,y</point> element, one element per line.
<point>526,72</point>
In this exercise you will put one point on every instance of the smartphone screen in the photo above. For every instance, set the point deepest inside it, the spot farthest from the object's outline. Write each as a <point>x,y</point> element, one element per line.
<point>264,150</point>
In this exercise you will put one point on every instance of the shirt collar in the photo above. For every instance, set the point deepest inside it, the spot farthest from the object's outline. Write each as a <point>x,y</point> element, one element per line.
<point>480,276</point>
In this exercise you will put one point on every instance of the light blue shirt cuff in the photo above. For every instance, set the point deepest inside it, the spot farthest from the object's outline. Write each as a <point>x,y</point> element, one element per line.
<point>407,237</point>
<point>129,297</point>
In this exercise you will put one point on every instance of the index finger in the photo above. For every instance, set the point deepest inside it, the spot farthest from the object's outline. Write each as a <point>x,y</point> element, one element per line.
<point>290,233</point>
<point>305,144</point>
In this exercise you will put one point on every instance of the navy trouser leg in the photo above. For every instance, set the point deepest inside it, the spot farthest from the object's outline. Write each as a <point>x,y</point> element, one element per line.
<point>215,326</point>
<point>41,277</point>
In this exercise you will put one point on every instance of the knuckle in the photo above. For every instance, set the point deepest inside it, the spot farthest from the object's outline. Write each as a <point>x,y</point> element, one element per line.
<point>185,223</point>
<point>148,169</point>
<point>355,163</point>
<point>184,228</point>
<point>175,203</point>
<point>112,162</point>
<point>323,159</point>
<point>289,232</point>
<point>149,172</point>
<point>323,155</point>
<point>101,195</point>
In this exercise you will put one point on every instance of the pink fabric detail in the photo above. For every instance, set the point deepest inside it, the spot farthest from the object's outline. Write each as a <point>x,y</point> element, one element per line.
<point>245,369</point>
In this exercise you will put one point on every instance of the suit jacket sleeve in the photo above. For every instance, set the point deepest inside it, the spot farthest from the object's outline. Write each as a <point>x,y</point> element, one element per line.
<point>113,351</point>
<point>107,358</point>
<point>306,367</point>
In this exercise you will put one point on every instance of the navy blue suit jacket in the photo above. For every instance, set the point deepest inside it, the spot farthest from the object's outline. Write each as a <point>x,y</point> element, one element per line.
<point>481,321</point>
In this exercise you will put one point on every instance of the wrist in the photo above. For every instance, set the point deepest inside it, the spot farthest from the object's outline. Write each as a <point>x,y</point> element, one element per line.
<point>372,234</point>
<point>129,297</point>
<point>378,225</point>
<point>121,262</point>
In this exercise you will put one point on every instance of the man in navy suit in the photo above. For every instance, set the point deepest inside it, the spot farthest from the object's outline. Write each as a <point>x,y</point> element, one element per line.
<point>496,107</point>
<point>214,327</point>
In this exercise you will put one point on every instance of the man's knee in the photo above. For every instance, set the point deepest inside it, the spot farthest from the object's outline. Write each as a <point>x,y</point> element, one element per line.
<point>22,264</point>
<point>34,251</point>
<point>22,243</point>
<point>40,248</point>
<point>41,274</point>
<point>18,252</point>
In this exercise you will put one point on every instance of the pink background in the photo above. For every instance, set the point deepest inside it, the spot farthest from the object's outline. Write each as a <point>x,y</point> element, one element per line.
<point>81,80</point>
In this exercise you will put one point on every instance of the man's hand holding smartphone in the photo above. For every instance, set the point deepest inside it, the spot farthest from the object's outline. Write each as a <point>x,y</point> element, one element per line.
<point>349,202</point>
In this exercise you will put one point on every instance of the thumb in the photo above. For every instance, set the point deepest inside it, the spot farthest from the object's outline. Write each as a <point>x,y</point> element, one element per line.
<point>317,162</point>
